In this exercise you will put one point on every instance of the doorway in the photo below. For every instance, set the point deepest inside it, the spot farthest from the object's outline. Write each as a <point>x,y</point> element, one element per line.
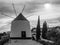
<point>23,34</point>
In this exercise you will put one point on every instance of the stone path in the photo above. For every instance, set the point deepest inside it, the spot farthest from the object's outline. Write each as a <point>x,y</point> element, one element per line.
<point>22,42</point>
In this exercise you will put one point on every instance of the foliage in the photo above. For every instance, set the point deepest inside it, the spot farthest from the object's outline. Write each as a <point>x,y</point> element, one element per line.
<point>44,30</point>
<point>54,35</point>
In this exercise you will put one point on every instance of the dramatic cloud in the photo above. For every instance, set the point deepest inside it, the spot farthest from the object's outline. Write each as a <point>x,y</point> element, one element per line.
<point>15,1</point>
<point>33,8</point>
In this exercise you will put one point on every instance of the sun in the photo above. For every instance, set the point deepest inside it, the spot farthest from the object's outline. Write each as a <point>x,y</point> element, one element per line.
<point>47,6</point>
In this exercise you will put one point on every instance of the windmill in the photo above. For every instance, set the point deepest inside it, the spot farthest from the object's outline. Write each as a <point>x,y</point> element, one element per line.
<point>20,26</point>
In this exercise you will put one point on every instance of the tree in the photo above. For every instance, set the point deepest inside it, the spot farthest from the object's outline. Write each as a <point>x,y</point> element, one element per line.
<point>44,30</point>
<point>54,35</point>
<point>38,31</point>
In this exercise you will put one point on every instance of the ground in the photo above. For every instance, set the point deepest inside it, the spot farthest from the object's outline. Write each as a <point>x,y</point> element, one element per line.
<point>22,42</point>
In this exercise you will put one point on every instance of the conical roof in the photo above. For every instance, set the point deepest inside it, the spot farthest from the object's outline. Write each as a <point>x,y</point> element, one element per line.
<point>20,17</point>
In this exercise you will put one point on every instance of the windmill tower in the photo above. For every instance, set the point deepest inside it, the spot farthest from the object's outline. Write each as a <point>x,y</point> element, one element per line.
<point>20,27</point>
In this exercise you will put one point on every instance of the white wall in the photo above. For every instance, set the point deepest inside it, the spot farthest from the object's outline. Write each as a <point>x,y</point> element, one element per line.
<point>18,26</point>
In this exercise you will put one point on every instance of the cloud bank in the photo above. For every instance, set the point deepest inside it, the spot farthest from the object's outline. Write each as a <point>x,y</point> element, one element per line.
<point>33,8</point>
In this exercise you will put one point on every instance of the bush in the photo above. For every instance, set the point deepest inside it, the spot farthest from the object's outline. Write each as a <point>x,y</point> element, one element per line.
<point>54,35</point>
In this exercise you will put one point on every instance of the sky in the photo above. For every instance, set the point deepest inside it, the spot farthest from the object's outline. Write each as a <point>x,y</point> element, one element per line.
<point>48,10</point>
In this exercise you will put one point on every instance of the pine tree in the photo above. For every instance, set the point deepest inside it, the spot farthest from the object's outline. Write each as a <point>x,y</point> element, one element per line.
<point>44,30</point>
<point>38,31</point>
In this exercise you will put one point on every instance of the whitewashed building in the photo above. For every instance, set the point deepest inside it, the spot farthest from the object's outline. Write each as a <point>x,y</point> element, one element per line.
<point>20,27</point>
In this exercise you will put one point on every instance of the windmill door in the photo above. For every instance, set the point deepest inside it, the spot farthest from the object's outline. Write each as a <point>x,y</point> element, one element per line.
<point>23,34</point>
